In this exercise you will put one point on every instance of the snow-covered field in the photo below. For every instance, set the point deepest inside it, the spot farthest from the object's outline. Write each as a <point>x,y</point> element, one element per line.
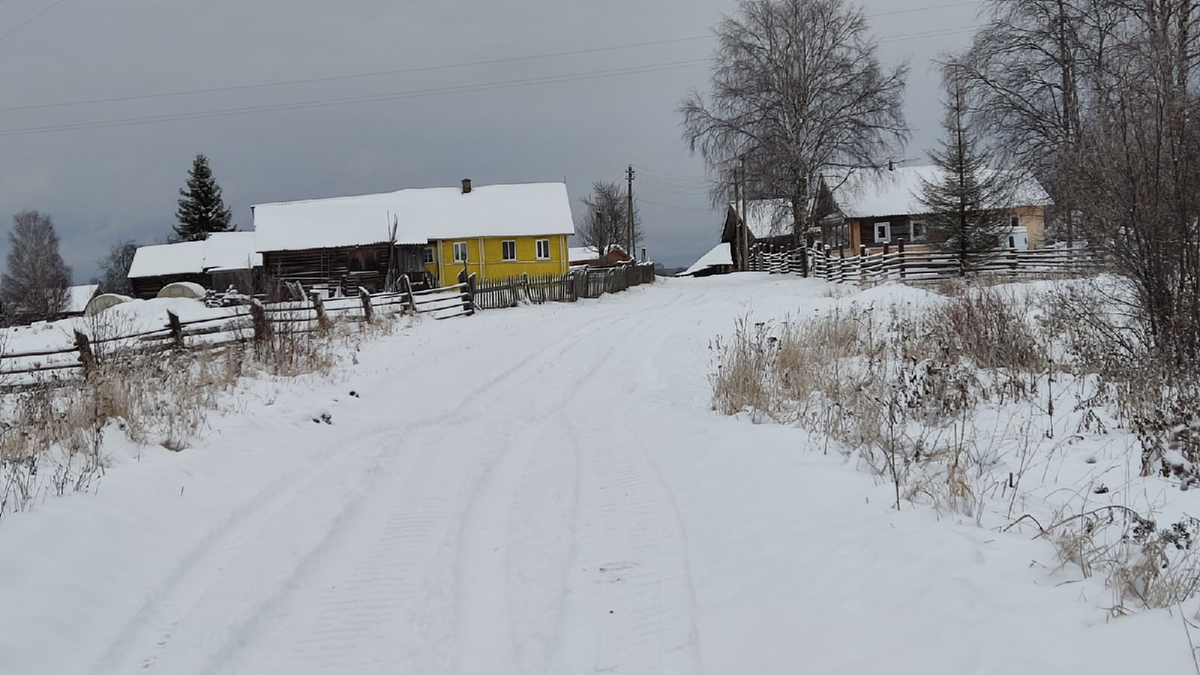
<point>545,490</point>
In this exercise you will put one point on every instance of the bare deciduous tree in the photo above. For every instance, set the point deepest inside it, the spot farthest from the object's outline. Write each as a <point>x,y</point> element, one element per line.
<point>114,268</point>
<point>1028,69</point>
<point>1137,177</point>
<point>796,89</point>
<point>34,286</point>
<point>605,218</point>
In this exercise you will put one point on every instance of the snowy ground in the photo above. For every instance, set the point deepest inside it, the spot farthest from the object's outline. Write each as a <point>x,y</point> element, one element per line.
<point>537,490</point>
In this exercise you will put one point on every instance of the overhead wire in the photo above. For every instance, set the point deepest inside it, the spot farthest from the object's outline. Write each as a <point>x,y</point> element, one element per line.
<point>367,98</point>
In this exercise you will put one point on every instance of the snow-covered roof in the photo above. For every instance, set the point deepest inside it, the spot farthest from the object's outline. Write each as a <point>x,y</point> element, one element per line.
<point>186,257</point>
<point>721,254</point>
<point>768,217</point>
<point>221,252</point>
<point>866,194</point>
<point>582,253</point>
<point>421,215</point>
<point>578,254</point>
<point>78,297</point>
<point>227,251</point>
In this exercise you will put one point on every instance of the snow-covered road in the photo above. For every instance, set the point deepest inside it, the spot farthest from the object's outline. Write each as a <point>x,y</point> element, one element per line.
<point>539,490</point>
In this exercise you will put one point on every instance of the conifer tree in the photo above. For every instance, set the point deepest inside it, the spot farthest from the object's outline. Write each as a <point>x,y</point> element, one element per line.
<point>201,210</point>
<point>967,200</point>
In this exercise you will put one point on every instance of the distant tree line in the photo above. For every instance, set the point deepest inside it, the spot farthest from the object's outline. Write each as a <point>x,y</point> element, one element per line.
<point>35,283</point>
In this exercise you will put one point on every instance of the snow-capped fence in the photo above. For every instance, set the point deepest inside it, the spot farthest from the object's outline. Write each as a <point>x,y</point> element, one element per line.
<point>569,287</point>
<point>923,264</point>
<point>256,322</point>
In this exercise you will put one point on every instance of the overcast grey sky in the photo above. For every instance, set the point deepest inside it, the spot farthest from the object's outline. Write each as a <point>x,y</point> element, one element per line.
<point>177,77</point>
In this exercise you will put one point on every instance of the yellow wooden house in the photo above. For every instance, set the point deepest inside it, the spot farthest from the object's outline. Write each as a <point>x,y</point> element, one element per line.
<point>526,234</point>
<point>429,234</point>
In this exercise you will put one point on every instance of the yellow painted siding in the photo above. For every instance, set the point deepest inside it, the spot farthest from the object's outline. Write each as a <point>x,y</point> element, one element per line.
<point>485,257</point>
<point>1033,218</point>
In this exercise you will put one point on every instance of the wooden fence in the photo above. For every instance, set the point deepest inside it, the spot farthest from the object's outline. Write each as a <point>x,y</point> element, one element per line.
<point>897,263</point>
<point>569,287</point>
<point>256,321</point>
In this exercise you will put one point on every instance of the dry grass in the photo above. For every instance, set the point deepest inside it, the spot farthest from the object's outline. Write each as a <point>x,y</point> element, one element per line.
<point>51,440</point>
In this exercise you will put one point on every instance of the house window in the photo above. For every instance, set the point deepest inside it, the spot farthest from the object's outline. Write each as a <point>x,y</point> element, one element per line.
<point>508,250</point>
<point>427,256</point>
<point>460,251</point>
<point>543,249</point>
<point>1014,221</point>
<point>919,231</point>
<point>883,232</point>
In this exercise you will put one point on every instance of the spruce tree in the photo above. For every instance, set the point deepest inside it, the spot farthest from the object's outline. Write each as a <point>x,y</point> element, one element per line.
<point>966,203</point>
<point>201,210</point>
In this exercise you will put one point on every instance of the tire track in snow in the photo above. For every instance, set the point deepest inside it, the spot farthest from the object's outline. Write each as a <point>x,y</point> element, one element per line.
<point>486,559</point>
<point>632,607</point>
<point>424,510</point>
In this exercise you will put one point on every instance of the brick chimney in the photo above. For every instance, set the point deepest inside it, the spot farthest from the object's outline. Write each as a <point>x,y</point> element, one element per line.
<point>466,189</point>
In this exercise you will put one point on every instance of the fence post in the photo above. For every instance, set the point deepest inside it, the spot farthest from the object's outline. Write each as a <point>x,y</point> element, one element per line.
<point>87,359</point>
<point>469,296</point>
<point>900,253</point>
<point>176,329</point>
<point>368,311</point>
<point>406,288</point>
<point>319,305</point>
<point>862,261</point>
<point>262,327</point>
<point>525,281</point>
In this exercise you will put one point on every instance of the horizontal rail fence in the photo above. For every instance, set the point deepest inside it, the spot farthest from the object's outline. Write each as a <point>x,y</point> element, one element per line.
<point>836,265</point>
<point>256,321</point>
<point>569,287</point>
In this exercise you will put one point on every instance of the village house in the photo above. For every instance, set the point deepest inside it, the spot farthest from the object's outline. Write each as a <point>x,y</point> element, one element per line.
<point>431,235</point>
<point>881,208</point>
<point>224,259</point>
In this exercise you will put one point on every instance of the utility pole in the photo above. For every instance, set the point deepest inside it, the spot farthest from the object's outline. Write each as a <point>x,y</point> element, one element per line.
<point>629,215</point>
<point>739,224</point>
<point>745,220</point>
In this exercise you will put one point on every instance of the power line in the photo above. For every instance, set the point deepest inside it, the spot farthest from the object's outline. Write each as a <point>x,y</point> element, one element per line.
<point>434,68</point>
<point>926,8</point>
<point>674,206</point>
<point>350,76</point>
<point>319,103</point>
<point>30,20</point>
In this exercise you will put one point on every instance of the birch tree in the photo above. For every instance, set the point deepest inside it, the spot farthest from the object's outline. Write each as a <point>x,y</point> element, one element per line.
<point>796,89</point>
<point>34,285</point>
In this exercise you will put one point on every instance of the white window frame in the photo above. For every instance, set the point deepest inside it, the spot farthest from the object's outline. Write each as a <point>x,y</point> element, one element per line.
<point>887,232</point>
<point>505,246</point>
<point>924,230</point>
<point>543,249</point>
<point>460,252</point>
<point>428,256</point>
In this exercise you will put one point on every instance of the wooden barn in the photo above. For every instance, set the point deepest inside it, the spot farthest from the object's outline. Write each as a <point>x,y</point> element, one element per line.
<point>430,235</point>
<point>224,259</point>
<point>767,223</point>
